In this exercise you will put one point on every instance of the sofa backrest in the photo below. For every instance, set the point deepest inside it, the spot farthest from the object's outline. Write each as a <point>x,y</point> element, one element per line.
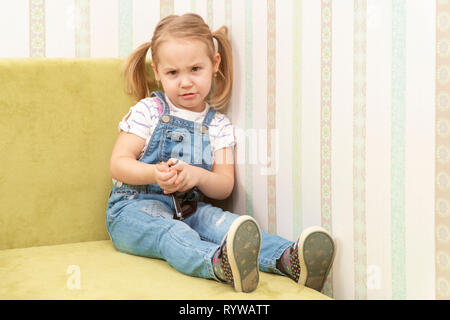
<point>58,125</point>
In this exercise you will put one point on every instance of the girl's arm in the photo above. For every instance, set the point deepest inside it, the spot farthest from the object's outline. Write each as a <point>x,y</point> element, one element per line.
<point>216,184</point>
<point>219,182</point>
<point>125,167</point>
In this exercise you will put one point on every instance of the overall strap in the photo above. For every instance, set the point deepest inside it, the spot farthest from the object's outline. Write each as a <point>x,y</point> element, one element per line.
<point>163,107</point>
<point>209,116</point>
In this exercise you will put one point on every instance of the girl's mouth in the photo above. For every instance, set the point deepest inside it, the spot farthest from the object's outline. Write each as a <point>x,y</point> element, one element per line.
<point>188,96</point>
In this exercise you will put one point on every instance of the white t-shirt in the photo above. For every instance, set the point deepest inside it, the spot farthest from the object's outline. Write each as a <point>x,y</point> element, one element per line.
<point>144,116</point>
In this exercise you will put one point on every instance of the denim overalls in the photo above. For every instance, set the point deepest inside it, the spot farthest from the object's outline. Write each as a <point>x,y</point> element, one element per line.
<point>139,219</point>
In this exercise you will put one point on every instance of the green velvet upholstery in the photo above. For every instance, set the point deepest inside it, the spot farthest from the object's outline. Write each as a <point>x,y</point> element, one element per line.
<point>104,273</point>
<point>58,125</point>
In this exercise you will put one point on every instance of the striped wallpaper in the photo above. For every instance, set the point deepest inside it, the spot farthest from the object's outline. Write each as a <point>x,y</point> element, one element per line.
<point>442,190</point>
<point>341,111</point>
<point>359,146</point>
<point>326,68</point>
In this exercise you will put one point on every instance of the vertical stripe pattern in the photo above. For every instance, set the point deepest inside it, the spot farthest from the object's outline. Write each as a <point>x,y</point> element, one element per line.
<point>297,117</point>
<point>194,6</point>
<point>165,8</point>
<point>442,187</point>
<point>37,28</point>
<point>228,23</point>
<point>228,19</point>
<point>210,14</point>
<point>248,106</point>
<point>359,149</point>
<point>398,150</point>
<point>271,121</point>
<point>325,126</point>
<point>82,29</point>
<point>125,28</point>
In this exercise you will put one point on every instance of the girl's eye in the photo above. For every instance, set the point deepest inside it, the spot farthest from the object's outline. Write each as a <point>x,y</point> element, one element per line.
<point>172,73</point>
<point>195,69</point>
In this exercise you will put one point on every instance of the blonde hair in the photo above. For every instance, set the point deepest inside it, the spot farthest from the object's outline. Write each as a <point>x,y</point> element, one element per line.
<point>192,26</point>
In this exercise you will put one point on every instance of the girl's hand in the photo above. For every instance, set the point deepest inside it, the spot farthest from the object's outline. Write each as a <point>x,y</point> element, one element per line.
<point>165,177</point>
<point>187,176</point>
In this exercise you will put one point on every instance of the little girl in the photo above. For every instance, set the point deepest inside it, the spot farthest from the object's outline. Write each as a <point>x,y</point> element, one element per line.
<point>173,148</point>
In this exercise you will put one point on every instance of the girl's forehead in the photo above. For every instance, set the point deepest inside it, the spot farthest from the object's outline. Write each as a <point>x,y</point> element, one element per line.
<point>180,51</point>
<point>182,43</point>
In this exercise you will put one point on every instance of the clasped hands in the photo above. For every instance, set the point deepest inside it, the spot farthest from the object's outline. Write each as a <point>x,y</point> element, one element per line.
<point>175,175</point>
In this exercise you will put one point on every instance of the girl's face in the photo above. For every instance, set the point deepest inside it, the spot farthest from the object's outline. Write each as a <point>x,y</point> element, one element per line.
<point>186,72</point>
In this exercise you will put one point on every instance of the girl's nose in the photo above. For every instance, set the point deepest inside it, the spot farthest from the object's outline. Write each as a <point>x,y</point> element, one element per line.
<point>185,81</point>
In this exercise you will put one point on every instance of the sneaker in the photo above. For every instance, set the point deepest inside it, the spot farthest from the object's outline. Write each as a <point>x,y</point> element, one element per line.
<point>236,261</point>
<point>309,260</point>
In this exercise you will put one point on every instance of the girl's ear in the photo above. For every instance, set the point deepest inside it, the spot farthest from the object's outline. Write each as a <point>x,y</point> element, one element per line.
<point>155,71</point>
<point>216,62</point>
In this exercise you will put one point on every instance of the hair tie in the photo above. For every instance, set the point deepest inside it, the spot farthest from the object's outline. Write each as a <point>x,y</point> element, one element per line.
<point>215,44</point>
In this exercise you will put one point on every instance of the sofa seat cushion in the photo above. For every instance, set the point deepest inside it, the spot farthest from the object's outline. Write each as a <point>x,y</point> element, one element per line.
<point>51,272</point>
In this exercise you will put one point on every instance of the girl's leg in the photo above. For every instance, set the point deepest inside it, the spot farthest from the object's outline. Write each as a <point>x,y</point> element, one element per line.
<point>240,241</point>
<point>146,228</point>
<point>307,261</point>
<point>272,248</point>
<point>310,259</point>
<point>212,224</point>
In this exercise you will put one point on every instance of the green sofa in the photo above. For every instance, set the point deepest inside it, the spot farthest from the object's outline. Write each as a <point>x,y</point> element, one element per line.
<point>58,125</point>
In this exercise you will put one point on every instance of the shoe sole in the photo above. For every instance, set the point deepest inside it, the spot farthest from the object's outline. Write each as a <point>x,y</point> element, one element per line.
<point>243,247</point>
<point>316,252</point>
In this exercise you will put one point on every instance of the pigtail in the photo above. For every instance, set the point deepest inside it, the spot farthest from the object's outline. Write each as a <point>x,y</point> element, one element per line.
<point>137,81</point>
<point>224,78</point>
